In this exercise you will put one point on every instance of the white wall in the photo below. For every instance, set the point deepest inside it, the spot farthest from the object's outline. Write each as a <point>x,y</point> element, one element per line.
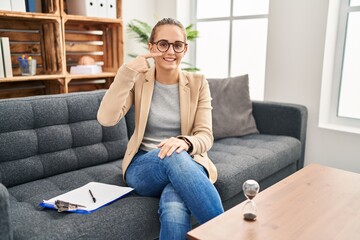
<point>136,9</point>
<point>296,38</point>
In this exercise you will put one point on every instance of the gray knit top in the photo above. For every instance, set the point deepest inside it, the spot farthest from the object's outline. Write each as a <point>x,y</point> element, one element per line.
<point>164,116</point>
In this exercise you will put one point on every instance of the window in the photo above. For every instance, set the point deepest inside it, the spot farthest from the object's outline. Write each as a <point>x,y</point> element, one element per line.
<point>232,40</point>
<point>349,97</point>
<point>340,98</point>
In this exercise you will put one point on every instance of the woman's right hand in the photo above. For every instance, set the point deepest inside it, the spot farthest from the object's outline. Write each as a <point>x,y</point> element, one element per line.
<point>140,63</point>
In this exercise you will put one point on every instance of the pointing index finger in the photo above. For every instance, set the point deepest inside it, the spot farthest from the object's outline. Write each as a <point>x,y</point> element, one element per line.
<point>151,55</point>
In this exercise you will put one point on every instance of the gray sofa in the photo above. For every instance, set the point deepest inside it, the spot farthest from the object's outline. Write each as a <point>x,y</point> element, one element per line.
<point>52,144</point>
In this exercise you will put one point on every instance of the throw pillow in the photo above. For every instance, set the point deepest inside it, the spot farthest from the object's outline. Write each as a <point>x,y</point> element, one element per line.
<point>232,107</point>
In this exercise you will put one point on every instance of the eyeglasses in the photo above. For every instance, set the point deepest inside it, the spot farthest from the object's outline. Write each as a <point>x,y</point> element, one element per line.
<point>164,45</point>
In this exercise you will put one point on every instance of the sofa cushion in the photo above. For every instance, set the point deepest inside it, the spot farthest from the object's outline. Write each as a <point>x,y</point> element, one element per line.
<point>46,135</point>
<point>232,107</point>
<point>110,222</point>
<point>254,156</point>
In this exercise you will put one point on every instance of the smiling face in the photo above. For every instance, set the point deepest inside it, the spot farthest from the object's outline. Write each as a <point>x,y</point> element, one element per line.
<point>170,60</point>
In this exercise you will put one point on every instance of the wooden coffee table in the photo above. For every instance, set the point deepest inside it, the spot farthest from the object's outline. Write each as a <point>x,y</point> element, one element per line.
<point>316,202</point>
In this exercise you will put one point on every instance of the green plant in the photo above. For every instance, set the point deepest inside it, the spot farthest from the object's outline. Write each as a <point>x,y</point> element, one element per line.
<point>142,31</point>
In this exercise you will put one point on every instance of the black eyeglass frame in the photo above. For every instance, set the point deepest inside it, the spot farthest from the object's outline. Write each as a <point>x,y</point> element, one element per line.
<point>169,44</point>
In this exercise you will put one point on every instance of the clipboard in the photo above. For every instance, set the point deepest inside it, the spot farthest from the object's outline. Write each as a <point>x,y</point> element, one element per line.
<point>101,195</point>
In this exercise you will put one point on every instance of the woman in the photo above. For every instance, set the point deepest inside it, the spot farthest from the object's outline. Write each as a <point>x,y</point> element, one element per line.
<point>166,156</point>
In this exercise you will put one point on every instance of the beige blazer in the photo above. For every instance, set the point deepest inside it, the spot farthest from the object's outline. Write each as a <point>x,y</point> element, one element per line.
<point>130,87</point>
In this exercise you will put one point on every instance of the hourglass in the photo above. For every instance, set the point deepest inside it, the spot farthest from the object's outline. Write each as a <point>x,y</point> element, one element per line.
<point>250,189</point>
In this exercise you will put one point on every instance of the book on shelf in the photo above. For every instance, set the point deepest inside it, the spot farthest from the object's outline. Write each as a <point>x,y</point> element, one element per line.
<point>88,198</point>
<point>5,5</point>
<point>6,54</point>
<point>92,8</point>
<point>101,8</point>
<point>85,69</point>
<point>33,6</point>
<point>82,7</point>
<point>111,9</point>
<point>2,73</point>
<point>18,5</point>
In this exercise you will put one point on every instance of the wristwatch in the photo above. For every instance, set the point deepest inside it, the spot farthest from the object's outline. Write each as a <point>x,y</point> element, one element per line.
<point>187,142</point>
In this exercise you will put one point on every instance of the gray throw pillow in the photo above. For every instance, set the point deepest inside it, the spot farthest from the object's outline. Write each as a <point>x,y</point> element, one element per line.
<point>232,107</point>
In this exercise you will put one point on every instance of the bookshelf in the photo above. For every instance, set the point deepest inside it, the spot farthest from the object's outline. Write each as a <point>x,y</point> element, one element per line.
<point>57,40</point>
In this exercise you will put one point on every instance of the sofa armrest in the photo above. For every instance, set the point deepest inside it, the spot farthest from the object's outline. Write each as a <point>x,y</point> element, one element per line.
<point>5,225</point>
<point>282,119</point>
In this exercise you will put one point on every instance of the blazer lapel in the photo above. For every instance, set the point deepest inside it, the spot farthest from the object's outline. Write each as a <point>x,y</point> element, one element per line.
<point>145,103</point>
<point>184,94</point>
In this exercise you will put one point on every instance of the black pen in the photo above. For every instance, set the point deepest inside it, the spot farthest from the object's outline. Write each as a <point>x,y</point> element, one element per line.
<point>92,196</point>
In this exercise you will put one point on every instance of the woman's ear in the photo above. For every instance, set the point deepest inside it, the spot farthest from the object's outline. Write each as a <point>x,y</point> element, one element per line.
<point>186,49</point>
<point>150,46</point>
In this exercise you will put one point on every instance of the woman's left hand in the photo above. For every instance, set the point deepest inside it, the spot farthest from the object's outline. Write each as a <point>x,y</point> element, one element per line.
<point>169,145</point>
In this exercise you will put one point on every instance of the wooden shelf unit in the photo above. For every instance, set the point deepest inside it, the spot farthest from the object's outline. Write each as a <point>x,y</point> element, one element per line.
<point>57,40</point>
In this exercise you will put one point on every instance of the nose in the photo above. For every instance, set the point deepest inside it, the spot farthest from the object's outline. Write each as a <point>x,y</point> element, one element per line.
<point>171,48</point>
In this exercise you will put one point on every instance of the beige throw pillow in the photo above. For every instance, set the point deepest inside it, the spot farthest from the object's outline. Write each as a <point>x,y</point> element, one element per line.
<point>232,107</point>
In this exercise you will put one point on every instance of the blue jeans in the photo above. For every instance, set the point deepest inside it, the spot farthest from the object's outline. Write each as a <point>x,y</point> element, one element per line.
<point>183,188</point>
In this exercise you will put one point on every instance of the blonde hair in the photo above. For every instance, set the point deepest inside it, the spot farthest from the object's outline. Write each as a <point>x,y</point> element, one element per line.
<point>166,21</point>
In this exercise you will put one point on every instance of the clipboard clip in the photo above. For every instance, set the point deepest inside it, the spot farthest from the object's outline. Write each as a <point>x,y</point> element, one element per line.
<point>62,206</point>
